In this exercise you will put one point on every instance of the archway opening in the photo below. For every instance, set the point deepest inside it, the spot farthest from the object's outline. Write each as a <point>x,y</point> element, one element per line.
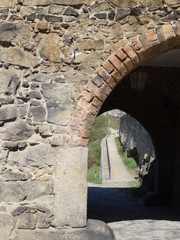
<point>151,94</point>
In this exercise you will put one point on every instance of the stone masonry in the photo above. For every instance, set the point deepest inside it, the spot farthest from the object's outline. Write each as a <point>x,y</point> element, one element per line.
<point>54,78</point>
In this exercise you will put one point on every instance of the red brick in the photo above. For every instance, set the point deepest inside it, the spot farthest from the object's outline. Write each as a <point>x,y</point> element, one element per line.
<point>117,76</point>
<point>96,102</point>
<point>96,91</point>
<point>87,96</point>
<point>129,65</point>
<point>98,81</point>
<point>84,142</point>
<point>104,74</point>
<point>86,134</point>
<point>132,55</point>
<point>92,109</point>
<point>79,113</point>
<point>118,65</point>
<point>121,55</point>
<point>82,102</point>
<point>89,118</point>
<point>112,82</point>
<point>106,89</point>
<point>75,121</point>
<point>136,43</point>
<point>108,67</point>
<point>151,36</point>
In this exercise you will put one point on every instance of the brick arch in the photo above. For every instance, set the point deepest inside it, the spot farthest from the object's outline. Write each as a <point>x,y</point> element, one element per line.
<point>112,71</point>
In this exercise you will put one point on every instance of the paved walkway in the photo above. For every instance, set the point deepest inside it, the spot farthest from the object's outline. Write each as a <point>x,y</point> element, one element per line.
<point>118,169</point>
<point>123,209</point>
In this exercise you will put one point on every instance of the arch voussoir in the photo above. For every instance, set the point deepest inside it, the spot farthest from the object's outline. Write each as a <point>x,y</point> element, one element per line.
<point>116,67</point>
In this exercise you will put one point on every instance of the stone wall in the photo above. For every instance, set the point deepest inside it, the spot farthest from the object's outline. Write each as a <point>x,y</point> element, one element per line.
<point>49,50</point>
<point>136,142</point>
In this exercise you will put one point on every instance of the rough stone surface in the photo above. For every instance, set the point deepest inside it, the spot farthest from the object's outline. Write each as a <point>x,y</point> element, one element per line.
<point>7,224</point>
<point>71,173</point>
<point>49,47</point>
<point>17,56</point>
<point>50,51</point>
<point>7,3</point>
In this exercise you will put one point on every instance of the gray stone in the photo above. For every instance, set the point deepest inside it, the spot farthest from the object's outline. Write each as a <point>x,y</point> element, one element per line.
<point>43,221</point>
<point>27,221</point>
<point>8,113</point>
<point>122,13</point>
<point>19,210</point>
<point>11,192</point>
<point>69,11</point>
<point>17,56</point>
<point>58,105</point>
<point>34,94</point>
<point>100,15</point>
<point>7,224</point>
<point>52,18</point>
<point>15,175</point>
<point>38,113</point>
<point>16,131</point>
<point>172,2</point>
<point>14,33</point>
<point>9,83</point>
<point>36,189</point>
<point>147,3</point>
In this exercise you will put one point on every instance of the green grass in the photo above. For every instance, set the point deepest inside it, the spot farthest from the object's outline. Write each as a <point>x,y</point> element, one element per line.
<point>130,163</point>
<point>99,131</point>
<point>113,127</point>
<point>93,174</point>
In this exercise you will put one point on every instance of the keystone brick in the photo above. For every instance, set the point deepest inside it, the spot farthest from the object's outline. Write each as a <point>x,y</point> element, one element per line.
<point>166,37</point>
<point>138,47</point>
<point>132,55</point>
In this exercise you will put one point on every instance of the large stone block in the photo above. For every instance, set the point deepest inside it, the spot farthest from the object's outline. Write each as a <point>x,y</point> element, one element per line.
<point>7,224</point>
<point>151,2</point>
<point>17,56</point>
<point>8,113</point>
<point>49,47</point>
<point>59,102</point>
<point>11,192</point>
<point>14,33</point>
<point>7,3</point>
<point>124,3</point>
<point>71,188</point>
<point>37,2</point>
<point>9,82</point>
<point>39,156</point>
<point>172,2</point>
<point>16,131</point>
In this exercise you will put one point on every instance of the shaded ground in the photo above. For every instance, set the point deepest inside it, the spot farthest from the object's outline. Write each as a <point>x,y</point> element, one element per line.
<point>130,219</point>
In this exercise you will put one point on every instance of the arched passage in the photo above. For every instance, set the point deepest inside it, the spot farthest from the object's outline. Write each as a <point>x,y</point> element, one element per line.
<point>111,73</point>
